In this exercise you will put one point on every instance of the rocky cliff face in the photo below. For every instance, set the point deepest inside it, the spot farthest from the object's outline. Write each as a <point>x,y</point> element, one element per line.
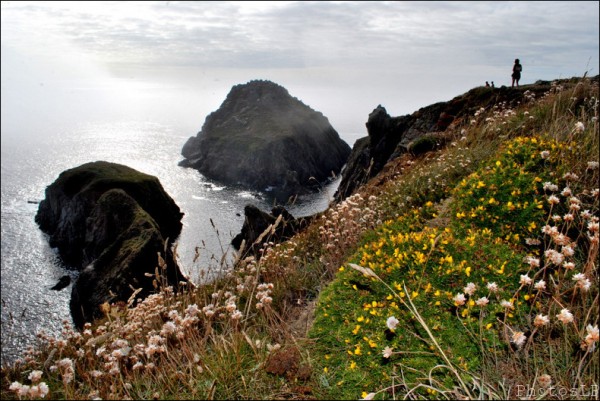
<point>388,137</point>
<point>254,235</point>
<point>110,221</point>
<point>263,138</point>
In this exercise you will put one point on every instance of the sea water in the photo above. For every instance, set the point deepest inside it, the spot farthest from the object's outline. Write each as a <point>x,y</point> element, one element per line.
<point>213,213</point>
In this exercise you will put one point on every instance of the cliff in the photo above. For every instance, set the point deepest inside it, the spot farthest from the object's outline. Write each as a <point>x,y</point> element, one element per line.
<point>389,137</point>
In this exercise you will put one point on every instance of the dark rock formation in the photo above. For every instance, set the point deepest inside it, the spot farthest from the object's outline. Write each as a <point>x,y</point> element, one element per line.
<point>111,221</point>
<point>62,283</point>
<point>389,137</point>
<point>132,241</point>
<point>256,223</point>
<point>263,138</point>
<point>70,199</point>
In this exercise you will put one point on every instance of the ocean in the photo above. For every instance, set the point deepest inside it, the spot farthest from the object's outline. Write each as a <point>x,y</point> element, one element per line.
<point>32,162</point>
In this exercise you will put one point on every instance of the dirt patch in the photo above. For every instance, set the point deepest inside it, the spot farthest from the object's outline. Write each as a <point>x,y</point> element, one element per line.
<point>301,320</point>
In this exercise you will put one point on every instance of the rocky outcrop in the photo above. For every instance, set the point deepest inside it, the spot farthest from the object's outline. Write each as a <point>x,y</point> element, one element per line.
<point>389,137</point>
<point>256,222</point>
<point>265,139</point>
<point>111,222</point>
<point>132,241</point>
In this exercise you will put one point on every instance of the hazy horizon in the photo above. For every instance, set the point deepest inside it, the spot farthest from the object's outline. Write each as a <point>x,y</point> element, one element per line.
<point>175,62</point>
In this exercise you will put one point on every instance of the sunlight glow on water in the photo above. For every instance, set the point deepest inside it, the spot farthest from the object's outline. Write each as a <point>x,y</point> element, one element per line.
<point>30,267</point>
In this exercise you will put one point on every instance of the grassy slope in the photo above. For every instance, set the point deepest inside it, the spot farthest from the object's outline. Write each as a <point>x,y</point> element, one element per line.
<point>425,227</point>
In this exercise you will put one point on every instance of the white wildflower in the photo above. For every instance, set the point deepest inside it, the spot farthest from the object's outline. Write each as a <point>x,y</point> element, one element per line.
<point>392,322</point>
<point>565,316</point>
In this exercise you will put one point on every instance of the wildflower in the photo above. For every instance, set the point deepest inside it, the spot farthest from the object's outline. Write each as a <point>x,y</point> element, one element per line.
<point>35,376</point>
<point>533,242</point>
<point>470,288</point>
<point>483,301</point>
<point>569,265</point>
<point>541,320</point>
<point>549,230</point>
<point>387,352</point>
<point>39,391</point>
<point>566,192</point>
<point>168,328</point>
<point>545,154</point>
<point>582,282</point>
<point>492,287</point>
<point>579,127</point>
<point>459,299</point>
<point>231,307</point>
<point>525,280</point>
<point>209,310</point>
<point>574,204</point>
<point>545,380</point>
<point>553,200</point>
<point>366,396</point>
<point>192,310</point>
<point>592,334</point>
<point>392,322</point>
<point>540,285</point>
<point>554,257</point>
<point>565,316</point>
<point>567,251</point>
<point>533,262</point>
<point>592,165</point>
<point>237,315</point>
<point>65,364</point>
<point>518,338</point>
<point>506,304</point>
<point>16,387</point>
<point>96,374</point>
<point>548,186</point>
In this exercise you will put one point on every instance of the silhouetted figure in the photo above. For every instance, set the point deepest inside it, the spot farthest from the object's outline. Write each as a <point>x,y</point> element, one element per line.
<point>487,84</point>
<point>493,84</point>
<point>516,74</point>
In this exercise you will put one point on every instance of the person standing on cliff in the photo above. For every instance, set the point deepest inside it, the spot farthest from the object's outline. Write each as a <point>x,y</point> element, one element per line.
<point>516,74</point>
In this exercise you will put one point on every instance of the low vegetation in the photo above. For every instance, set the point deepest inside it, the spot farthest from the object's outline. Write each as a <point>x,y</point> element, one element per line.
<point>470,271</point>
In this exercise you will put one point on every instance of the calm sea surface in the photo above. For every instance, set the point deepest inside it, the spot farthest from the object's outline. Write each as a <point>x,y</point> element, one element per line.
<point>32,162</point>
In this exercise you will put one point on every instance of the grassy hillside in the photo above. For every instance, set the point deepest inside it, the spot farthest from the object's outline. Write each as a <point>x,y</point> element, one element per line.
<point>470,271</point>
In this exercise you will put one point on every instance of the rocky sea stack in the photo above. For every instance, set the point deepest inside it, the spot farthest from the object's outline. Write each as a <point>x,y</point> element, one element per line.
<point>111,222</point>
<point>265,139</point>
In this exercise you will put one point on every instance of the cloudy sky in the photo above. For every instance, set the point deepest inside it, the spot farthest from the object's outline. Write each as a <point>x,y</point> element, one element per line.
<point>341,58</point>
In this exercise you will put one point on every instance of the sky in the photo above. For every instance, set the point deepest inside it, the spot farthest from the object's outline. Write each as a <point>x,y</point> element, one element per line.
<point>178,60</point>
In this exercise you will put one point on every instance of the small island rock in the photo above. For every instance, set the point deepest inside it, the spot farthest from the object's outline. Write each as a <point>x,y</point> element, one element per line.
<point>265,139</point>
<point>111,222</point>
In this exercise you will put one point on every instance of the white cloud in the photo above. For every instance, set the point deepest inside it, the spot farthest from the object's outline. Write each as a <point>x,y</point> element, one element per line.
<point>404,55</point>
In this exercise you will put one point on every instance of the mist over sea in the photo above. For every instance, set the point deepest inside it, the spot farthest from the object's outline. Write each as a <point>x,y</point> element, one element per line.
<point>39,141</point>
